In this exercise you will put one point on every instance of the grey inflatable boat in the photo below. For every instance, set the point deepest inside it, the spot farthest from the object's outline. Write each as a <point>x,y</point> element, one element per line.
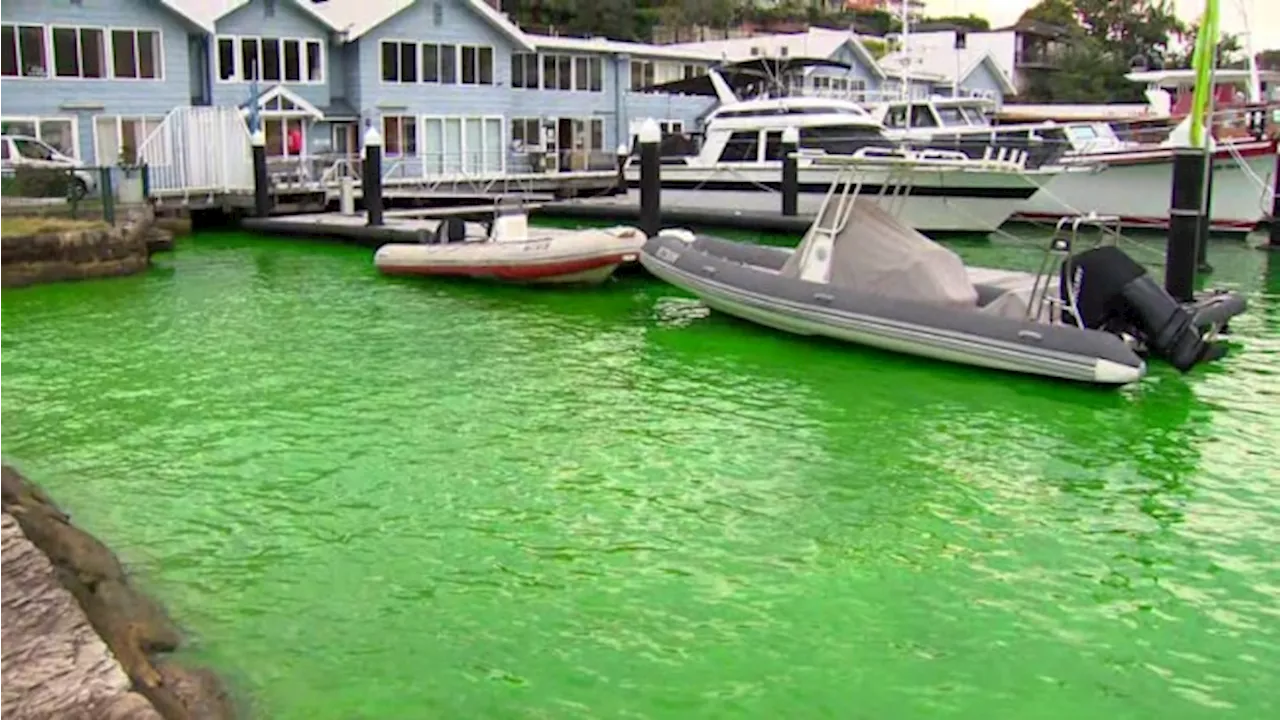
<point>861,276</point>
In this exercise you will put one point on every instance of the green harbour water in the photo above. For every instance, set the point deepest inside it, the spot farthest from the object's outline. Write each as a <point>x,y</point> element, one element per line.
<point>376,498</point>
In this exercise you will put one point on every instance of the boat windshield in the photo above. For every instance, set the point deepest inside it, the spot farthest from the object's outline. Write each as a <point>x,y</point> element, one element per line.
<point>952,116</point>
<point>975,116</point>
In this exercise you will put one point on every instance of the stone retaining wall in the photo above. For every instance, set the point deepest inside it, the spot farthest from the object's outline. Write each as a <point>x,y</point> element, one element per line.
<point>77,254</point>
<point>79,641</point>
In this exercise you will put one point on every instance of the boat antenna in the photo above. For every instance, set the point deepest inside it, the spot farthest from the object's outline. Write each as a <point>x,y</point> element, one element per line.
<point>1255,82</point>
<point>906,50</point>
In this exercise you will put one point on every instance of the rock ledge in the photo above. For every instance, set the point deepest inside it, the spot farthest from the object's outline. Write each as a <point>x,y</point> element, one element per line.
<point>78,640</point>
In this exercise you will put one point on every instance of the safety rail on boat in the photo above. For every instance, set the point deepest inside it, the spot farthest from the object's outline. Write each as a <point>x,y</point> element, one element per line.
<point>1004,160</point>
<point>1061,247</point>
<point>847,186</point>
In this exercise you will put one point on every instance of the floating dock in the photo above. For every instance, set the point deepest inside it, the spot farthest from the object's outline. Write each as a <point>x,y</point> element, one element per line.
<point>626,209</point>
<point>399,226</point>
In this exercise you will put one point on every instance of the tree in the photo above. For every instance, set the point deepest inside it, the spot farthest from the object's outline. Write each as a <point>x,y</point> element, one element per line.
<point>1104,39</point>
<point>972,23</point>
<point>1053,12</point>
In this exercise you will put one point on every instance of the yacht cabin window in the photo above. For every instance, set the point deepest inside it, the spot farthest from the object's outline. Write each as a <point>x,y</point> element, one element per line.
<point>974,116</point>
<point>741,147</point>
<point>952,117</point>
<point>896,117</point>
<point>922,117</point>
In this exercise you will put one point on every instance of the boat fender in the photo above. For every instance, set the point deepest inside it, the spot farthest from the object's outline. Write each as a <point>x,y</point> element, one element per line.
<point>681,234</point>
<point>1114,293</point>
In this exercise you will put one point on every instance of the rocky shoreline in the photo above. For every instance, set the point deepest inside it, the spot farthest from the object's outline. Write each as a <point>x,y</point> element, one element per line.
<point>79,641</point>
<point>54,249</point>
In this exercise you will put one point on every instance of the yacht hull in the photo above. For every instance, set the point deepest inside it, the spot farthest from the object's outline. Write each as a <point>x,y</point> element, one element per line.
<point>1137,187</point>
<point>972,201</point>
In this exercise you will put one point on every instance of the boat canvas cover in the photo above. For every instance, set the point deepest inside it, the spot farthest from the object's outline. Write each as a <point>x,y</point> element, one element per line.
<point>875,253</point>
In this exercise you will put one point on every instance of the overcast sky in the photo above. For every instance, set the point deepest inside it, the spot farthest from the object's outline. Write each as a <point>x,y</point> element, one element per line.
<point>1263,15</point>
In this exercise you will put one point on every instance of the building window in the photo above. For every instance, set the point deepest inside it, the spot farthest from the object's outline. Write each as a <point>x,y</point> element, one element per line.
<point>119,139</point>
<point>449,64</point>
<point>468,144</point>
<point>524,70</point>
<point>395,69</point>
<point>641,74</point>
<point>588,74</point>
<point>525,132</point>
<point>58,133</point>
<point>135,54</point>
<point>79,53</point>
<point>400,135</point>
<point>693,70</point>
<point>671,127</point>
<point>292,60</point>
<point>476,64</point>
<point>279,130</point>
<point>23,51</point>
<point>595,74</point>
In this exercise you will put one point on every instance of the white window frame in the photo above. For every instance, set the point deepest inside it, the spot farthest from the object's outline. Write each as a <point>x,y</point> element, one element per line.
<point>118,124</point>
<point>35,120</point>
<point>46,38</point>
<point>493,61</point>
<point>456,53</point>
<point>631,74</point>
<point>161,65</point>
<point>525,58</point>
<point>671,127</point>
<point>503,140</point>
<point>524,124</point>
<point>417,60</point>
<point>108,66</point>
<point>417,135</point>
<point>238,74</point>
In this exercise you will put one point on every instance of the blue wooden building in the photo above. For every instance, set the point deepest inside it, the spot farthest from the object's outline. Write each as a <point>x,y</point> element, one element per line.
<point>453,85</point>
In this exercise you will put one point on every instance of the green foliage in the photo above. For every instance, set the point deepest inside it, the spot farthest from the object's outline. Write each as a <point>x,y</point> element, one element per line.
<point>1104,38</point>
<point>1054,12</point>
<point>972,23</point>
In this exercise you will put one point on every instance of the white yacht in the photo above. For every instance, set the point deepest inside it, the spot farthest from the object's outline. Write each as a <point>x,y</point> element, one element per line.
<point>735,163</point>
<point>1110,175</point>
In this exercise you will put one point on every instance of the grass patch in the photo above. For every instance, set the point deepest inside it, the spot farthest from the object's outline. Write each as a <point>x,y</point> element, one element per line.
<point>14,225</point>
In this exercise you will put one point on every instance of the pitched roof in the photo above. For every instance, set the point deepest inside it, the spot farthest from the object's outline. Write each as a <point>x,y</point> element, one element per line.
<point>815,42</point>
<point>357,17</point>
<point>605,45</point>
<point>949,65</point>
<point>207,12</point>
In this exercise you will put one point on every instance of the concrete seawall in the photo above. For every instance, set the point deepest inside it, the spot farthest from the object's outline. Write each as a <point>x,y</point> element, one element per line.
<point>79,641</point>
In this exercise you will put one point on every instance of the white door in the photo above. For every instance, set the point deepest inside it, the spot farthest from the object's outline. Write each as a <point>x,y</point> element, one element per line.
<point>551,143</point>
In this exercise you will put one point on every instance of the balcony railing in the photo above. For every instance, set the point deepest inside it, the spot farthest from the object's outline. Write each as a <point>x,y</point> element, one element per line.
<point>1037,56</point>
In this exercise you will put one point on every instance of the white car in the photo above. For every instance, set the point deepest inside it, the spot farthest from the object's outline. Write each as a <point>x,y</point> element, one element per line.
<point>25,151</point>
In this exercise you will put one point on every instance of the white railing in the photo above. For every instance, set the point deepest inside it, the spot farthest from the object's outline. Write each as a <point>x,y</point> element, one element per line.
<point>199,150</point>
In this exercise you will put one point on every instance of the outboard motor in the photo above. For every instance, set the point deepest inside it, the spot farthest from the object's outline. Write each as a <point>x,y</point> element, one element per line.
<point>451,230</point>
<point>1116,294</point>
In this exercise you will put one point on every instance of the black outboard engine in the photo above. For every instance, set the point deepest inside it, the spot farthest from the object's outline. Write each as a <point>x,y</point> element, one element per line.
<point>451,230</point>
<point>1115,294</point>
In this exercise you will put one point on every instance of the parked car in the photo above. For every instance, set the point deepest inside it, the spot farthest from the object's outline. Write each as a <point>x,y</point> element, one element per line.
<point>25,151</point>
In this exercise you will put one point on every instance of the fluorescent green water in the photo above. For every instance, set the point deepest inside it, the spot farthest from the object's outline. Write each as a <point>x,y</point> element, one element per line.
<point>369,498</point>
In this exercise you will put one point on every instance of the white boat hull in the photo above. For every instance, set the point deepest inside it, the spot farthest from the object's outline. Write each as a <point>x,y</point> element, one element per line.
<point>972,201</point>
<point>547,256</point>
<point>1137,187</point>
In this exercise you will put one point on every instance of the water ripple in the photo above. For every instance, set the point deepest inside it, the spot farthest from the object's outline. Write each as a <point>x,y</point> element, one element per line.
<point>616,503</point>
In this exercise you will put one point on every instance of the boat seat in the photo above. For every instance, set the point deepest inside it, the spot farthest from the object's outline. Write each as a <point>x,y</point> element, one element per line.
<point>1005,293</point>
